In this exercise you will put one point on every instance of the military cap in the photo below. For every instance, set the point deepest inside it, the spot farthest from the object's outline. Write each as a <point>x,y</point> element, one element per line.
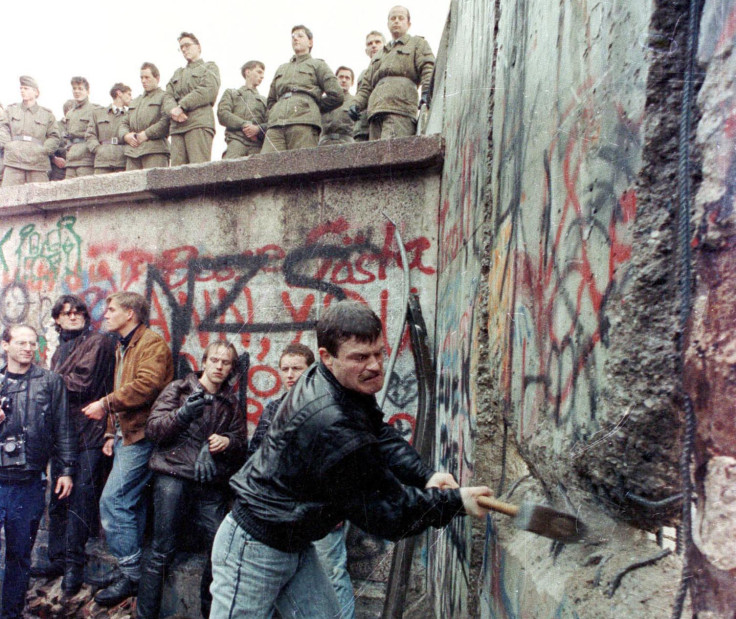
<point>27,80</point>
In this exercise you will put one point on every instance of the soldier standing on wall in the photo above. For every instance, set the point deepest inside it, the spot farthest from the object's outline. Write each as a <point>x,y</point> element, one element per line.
<point>189,100</point>
<point>29,135</point>
<point>145,127</point>
<point>337,126</point>
<point>301,90</point>
<point>79,160</point>
<point>374,42</point>
<point>389,88</point>
<point>102,132</point>
<point>243,113</point>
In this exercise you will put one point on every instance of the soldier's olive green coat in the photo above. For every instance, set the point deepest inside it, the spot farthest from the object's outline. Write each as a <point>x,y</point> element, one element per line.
<point>391,80</point>
<point>36,123</point>
<point>308,78</point>
<point>241,107</point>
<point>338,122</point>
<point>194,89</point>
<point>101,131</point>
<point>146,113</point>
<point>75,123</point>
<point>360,128</point>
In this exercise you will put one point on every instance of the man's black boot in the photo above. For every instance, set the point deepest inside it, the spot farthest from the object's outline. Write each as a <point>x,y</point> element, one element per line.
<point>118,591</point>
<point>52,570</point>
<point>73,579</point>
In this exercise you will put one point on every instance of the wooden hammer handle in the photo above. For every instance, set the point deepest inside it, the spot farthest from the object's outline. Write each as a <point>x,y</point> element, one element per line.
<point>497,506</point>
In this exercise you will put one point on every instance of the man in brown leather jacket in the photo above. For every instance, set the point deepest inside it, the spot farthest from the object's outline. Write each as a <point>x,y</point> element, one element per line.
<point>200,440</point>
<point>29,135</point>
<point>146,126</point>
<point>301,91</point>
<point>143,367</point>
<point>189,101</point>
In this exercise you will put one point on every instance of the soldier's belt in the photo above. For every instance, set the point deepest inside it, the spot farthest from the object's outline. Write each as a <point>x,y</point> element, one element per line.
<point>395,77</point>
<point>291,93</point>
<point>114,141</point>
<point>76,140</point>
<point>27,138</point>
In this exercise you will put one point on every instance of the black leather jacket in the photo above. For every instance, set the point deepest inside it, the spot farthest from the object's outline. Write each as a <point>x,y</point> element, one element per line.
<point>39,404</point>
<point>328,456</point>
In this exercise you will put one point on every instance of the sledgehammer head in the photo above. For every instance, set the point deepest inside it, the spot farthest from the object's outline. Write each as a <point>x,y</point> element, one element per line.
<point>549,522</point>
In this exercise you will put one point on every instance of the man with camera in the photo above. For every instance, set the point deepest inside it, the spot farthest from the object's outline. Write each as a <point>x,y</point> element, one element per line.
<point>34,423</point>
<point>143,367</point>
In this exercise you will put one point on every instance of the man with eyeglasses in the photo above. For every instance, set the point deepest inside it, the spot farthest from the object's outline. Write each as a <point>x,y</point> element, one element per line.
<point>34,425</point>
<point>189,101</point>
<point>85,359</point>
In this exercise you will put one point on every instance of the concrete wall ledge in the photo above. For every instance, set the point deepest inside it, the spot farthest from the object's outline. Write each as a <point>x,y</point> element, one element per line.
<point>353,160</point>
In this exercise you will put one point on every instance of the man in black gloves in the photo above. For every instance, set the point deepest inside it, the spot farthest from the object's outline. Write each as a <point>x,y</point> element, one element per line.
<point>200,440</point>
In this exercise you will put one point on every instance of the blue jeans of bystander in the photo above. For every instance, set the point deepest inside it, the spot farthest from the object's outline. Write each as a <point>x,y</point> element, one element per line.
<point>334,558</point>
<point>250,579</point>
<point>123,505</point>
<point>21,508</point>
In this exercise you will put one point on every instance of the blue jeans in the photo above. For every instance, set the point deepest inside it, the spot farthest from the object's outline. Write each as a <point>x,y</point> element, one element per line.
<point>334,558</point>
<point>251,579</point>
<point>21,508</point>
<point>123,505</point>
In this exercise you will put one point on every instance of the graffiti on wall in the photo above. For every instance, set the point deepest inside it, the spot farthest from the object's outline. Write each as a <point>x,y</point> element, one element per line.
<point>261,299</point>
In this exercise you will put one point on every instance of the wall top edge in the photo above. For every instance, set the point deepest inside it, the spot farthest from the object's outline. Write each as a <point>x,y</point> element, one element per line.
<point>354,160</point>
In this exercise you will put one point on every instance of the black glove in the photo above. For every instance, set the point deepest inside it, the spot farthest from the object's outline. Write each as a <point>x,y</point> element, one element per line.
<point>424,100</point>
<point>205,468</point>
<point>192,408</point>
<point>354,112</point>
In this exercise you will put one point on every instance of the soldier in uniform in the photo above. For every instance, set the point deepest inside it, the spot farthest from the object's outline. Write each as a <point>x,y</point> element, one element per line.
<point>29,135</point>
<point>243,113</point>
<point>79,161</point>
<point>102,132</point>
<point>389,88</point>
<point>190,96</point>
<point>337,126</point>
<point>374,42</point>
<point>58,159</point>
<point>302,88</point>
<point>146,126</point>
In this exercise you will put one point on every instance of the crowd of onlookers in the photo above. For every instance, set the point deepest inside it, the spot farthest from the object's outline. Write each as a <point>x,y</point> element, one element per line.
<point>307,105</point>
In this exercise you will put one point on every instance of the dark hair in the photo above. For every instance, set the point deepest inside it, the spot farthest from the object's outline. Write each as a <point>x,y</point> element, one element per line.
<point>344,320</point>
<point>251,64</point>
<point>8,331</point>
<point>132,301</point>
<point>152,67</point>
<point>78,79</point>
<point>74,303</point>
<point>299,350</point>
<point>307,31</point>
<point>352,74</point>
<point>118,86</point>
<point>188,35</point>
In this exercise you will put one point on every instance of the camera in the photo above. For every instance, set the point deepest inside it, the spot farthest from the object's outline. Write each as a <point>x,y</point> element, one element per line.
<point>208,398</point>
<point>13,451</point>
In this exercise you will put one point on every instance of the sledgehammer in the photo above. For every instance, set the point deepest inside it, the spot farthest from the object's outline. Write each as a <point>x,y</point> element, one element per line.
<point>539,519</point>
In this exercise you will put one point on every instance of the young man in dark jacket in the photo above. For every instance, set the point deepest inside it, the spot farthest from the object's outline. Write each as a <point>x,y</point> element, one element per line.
<point>200,441</point>
<point>34,423</point>
<point>327,457</point>
<point>85,360</point>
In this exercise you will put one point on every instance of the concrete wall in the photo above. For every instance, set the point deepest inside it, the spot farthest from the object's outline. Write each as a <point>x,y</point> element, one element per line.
<point>254,263</point>
<point>710,361</point>
<point>575,392</point>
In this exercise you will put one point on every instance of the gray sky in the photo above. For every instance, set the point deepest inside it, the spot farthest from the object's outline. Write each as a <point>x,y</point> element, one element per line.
<point>106,42</point>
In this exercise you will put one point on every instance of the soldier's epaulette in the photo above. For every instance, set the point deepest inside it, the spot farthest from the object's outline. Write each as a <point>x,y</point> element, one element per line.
<point>46,109</point>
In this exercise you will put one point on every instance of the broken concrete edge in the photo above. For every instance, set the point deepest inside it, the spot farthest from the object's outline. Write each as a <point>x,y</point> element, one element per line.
<point>352,160</point>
